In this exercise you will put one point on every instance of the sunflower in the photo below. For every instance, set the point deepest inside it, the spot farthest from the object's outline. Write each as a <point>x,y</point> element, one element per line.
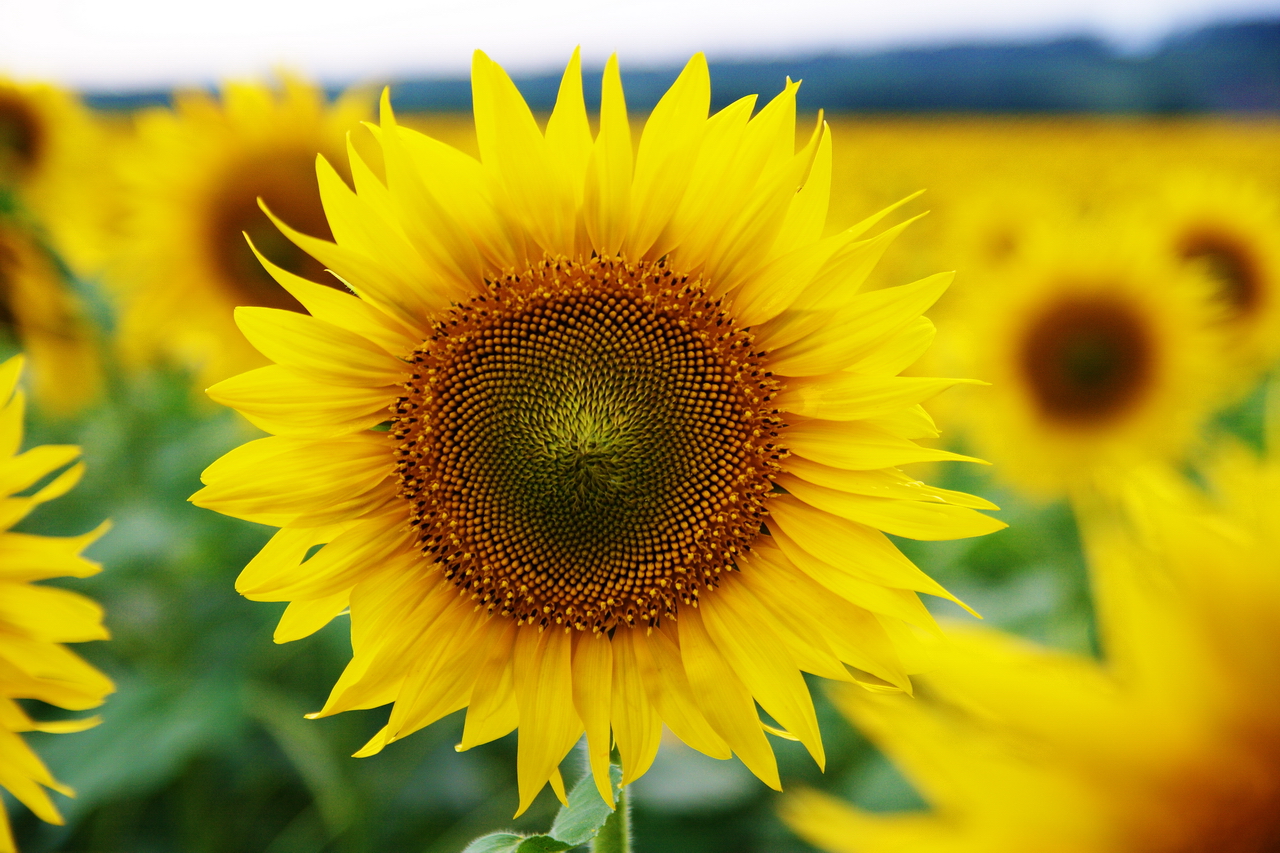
<point>1171,745</point>
<point>1229,230</point>
<point>43,317</point>
<point>1099,353</point>
<point>53,162</point>
<point>989,227</point>
<point>35,620</point>
<point>638,434</point>
<point>193,176</point>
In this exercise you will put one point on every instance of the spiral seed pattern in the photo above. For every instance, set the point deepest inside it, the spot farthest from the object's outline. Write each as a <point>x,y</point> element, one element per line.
<point>587,443</point>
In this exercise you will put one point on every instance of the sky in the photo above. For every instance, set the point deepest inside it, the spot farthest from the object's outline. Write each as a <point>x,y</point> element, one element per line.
<point>124,45</point>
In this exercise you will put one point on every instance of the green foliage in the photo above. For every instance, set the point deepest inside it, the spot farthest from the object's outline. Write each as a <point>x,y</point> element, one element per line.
<point>577,824</point>
<point>505,842</point>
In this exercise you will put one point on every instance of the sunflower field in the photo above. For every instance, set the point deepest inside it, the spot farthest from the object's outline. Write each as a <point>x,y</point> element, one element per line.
<point>591,467</point>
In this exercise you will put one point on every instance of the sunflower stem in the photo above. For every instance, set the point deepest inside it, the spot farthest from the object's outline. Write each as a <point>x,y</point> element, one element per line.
<point>615,835</point>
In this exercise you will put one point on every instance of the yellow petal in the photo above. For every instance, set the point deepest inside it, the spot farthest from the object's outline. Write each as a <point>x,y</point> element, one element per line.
<point>459,182</point>
<point>49,614</point>
<point>803,641</point>
<point>25,469</point>
<point>910,518</point>
<point>28,557</point>
<point>303,618</point>
<point>606,203</point>
<point>854,634</point>
<point>759,657</point>
<point>667,687</point>
<point>281,401</point>
<point>885,483</point>
<point>858,323</point>
<point>858,446</point>
<point>636,727</point>
<point>386,614</point>
<point>13,510</point>
<point>592,685</point>
<point>306,482</point>
<point>408,299</point>
<point>854,396</point>
<point>899,351</point>
<point>451,255</point>
<point>856,548</point>
<point>668,150</point>
<point>512,147</point>
<point>724,700</point>
<point>443,669</point>
<point>771,290</point>
<point>340,564</point>
<point>807,212</point>
<point>705,206</point>
<point>10,373</point>
<point>549,726</point>
<point>366,230</point>
<point>743,245</point>
<point>492,712</point>
<point>22,774</point>
<point>568,131</point>
<point>320,350</point>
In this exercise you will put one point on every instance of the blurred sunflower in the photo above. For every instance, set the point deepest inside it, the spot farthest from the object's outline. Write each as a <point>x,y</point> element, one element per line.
<point>44,318</point>
<point>36,620</point>
<point>1229,229</point>
<point>1172,745</point>
<point>639,434</point>
<point>52,161</point>
<point>1099,353</point>
<point>193,177</point>
<point>990,223</point>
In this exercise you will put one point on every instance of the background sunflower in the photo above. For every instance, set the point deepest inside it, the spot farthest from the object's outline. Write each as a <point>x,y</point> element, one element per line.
<point>1101,354</point>
<point>191,178</point>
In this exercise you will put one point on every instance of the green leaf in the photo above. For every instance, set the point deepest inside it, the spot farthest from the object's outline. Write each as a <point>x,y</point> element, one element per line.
<point>506,842</point>
<point>498,842</point>
<point>543,844</point>
<point>580,821</point>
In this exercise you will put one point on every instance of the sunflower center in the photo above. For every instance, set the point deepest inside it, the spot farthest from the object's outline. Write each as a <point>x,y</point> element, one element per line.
<point>1087,360</point>
<point>286,181</point>
<point>1230,265</point>
<point>21,137</point>
<point>587,443</point>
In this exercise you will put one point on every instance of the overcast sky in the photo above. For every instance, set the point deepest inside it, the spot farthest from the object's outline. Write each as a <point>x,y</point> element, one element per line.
<point>128,44</point>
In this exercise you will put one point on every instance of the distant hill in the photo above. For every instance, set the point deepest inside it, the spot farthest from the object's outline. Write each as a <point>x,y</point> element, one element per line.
<point>1221,68</point>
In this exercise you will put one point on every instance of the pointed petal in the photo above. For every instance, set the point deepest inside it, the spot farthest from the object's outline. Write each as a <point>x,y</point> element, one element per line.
<point>724,699</point>
<point>606,204</point>
<point>549,726</point>
<point>592,690</point>
<point>759,657</point>
<point>668,150</point>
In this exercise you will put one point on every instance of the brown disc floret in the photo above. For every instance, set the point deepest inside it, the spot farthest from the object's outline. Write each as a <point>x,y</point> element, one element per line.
<point>1088,360</point>
<point>587,443</point>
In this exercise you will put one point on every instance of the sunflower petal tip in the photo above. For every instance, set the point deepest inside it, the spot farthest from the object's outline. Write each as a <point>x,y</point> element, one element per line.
<point>385,111</point>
